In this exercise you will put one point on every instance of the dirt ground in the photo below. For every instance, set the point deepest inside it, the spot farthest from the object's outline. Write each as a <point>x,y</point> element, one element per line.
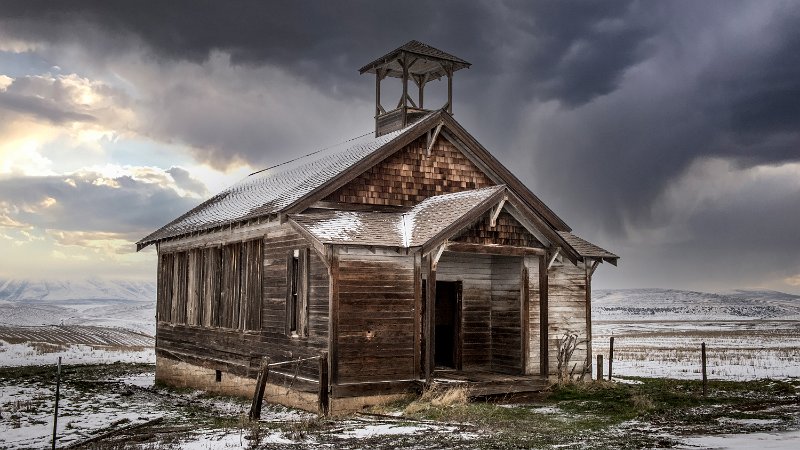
<point>117,406</point>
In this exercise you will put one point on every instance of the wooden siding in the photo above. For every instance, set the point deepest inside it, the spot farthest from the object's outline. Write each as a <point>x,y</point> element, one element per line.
<point>566,311</point>
<point>506,322</point>
<point>240,350</point>
<point>376,316</point>
<point>475,273</point>
<point>410,176</point>
<point>491,307</point>
<point>532,264</point>
<point>507,231</point>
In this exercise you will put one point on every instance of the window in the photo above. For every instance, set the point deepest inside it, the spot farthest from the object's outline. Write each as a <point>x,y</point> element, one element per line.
<point>296,293</point>
<point>213,287</point>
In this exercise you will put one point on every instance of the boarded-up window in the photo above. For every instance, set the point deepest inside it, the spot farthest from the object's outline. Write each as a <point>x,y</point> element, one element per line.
<point>195,287</point>
<point>253,265</point>
<point>231,293</point>
<point>213,287</point>
<point>297,292</point>
<point>179,287</point>
<point>164,294</point>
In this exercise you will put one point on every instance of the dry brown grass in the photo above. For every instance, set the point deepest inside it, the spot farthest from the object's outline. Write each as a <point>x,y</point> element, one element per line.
<point>438,398</point>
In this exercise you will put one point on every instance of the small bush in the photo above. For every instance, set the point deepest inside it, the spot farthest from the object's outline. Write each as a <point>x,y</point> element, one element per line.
<point>642,402</point>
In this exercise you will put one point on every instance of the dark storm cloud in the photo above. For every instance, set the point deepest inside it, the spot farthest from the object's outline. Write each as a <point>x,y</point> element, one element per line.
<point>600,107</point>
<point>570,50</point>
<point>90,202</point>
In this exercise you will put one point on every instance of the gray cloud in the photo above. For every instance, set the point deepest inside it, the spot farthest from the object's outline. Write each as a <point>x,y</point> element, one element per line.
<point>41,108</point>
<point>601,107</point>
<point>91,202</point>
<point>185,180</point>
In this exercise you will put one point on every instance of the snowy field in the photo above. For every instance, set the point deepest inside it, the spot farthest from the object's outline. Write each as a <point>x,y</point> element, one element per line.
<point>744,350</point>
<point>32,346</point>
<point>749,335</point>
<point>658,333</point>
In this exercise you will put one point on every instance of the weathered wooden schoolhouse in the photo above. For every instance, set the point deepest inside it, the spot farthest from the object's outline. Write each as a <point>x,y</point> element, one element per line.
<point>405,256</point>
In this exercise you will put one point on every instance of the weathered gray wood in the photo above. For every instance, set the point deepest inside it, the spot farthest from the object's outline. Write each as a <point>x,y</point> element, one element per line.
<point>610,357</point>
<point>599,367</point>
<point>324,384</point>
<point>703,363</point>
<point>258,395</point>
<point>430,318</point>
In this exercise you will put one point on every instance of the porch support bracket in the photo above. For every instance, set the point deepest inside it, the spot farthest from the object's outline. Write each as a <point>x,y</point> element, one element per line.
<point>433,139</point>
<point>438,254</point>
<point>496,212</point>
<point>594,265</point>
<point>553,258</point>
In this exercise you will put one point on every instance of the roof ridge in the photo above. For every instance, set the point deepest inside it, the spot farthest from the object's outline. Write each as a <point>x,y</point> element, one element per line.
<point>312,153</point>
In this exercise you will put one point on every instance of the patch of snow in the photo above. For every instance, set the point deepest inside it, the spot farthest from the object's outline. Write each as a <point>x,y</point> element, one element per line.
<point>24,354</point>
<point>762,441</point>
<point>338,227</point>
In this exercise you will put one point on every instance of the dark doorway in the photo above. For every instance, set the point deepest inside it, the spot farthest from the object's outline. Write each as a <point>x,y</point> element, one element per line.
<point>447,339</point>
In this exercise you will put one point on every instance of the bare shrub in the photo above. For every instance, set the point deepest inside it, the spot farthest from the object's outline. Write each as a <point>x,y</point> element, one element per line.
<point>566,347</point>
<point>642,402</point>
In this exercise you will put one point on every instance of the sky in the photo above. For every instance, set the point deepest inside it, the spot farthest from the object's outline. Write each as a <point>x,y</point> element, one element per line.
<point>667,132</point>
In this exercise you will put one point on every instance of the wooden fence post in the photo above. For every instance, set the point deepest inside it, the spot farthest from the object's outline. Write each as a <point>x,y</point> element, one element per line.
<point>323,383</point>
<point>610,357</point>
<point>703,360</point>
<point>599,367</point>
<point>258,395</point>
<point>55,411</point>
<point>324,400</point>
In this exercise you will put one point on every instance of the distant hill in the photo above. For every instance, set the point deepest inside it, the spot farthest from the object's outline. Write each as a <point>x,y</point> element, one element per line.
<point>672,304</point>
<point>49,291</point>
<point>111,303</point>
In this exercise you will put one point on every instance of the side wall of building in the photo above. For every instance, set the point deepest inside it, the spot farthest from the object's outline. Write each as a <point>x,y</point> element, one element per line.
<point>375,317</point>
<point>567,312</point>
<point>239,350</point>
<point>475,273</point>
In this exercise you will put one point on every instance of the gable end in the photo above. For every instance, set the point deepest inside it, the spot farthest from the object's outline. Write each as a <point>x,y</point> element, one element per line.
<point>507,231</point>
<point>409,176</point>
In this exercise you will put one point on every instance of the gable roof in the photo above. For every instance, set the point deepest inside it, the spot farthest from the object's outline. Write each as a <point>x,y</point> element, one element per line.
<point>292,187</point>
<point>411,228</point>
<point>270,191</point>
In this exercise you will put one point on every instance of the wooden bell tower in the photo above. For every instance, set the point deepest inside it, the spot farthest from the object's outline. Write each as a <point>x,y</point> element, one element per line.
<point>420,63</point>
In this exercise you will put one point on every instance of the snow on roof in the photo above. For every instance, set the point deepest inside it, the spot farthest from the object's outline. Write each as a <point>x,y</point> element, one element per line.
<point>272,190</point>
<point>411,228</point>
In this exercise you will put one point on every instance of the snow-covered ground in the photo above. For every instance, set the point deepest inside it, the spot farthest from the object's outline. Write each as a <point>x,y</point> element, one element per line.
<point>735,350</point>
<point>658,333</point>
<point>780,440</point>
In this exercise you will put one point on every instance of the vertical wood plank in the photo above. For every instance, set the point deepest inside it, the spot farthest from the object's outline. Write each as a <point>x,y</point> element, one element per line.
<point>544,363</point>
<point>430,319</point>
<point>525,317</point>
<point>333,308</point>
<point>586,268</point>
<point>417,313</point>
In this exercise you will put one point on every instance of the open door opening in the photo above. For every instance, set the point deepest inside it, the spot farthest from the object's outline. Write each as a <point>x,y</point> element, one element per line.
<point>447,340</point>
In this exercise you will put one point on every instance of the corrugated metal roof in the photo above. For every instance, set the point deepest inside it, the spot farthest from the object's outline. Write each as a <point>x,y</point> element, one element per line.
<point>411,228</point>
<point>586,248</point>
<point>272,190</point>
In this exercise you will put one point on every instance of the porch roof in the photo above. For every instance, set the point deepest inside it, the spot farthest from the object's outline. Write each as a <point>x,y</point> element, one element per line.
<point>586,249</point>
<point>411,228</point>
